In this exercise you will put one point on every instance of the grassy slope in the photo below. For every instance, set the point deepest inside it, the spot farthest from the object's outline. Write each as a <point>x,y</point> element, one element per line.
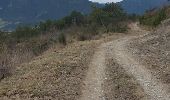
<point>120,85</point>
<point>153,50</point>
<point>58,75</point>
<point>55,75</point>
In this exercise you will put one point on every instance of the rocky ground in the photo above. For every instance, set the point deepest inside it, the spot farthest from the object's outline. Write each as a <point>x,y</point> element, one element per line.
<point>56,75</point>
<point>154,51</point>
<point>116,67</point>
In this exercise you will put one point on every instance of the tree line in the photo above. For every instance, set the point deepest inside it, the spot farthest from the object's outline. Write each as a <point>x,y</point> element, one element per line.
<point>110,18</point>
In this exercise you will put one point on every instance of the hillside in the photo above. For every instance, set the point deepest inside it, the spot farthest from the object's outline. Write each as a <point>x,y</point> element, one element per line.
<point>140,6</point>
<point>32,11</point>
<point>104,55</point>
<point>56,75</point>
<point>117,66</point>
<point>155,17</point>
<point>153,50</point>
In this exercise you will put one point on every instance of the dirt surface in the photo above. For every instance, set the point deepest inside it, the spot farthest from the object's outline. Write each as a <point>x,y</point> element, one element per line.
<point>151,86</point>
<point>56,75</point>
<point>153,51</point>
<point>95,77</point>
<point>117,67</point>
<point>96,85</point>
<point>144,81</point>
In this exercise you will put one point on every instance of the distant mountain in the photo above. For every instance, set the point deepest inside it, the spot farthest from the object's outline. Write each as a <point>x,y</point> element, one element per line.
<point>140,6</point>
<point>14,12</point>
<point>31,11</point>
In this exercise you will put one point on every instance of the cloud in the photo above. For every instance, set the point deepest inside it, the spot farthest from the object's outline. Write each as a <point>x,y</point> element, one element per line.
<point>105,1</point>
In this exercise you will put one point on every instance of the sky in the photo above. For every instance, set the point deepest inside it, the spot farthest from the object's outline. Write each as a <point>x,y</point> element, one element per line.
<point>105,1</point>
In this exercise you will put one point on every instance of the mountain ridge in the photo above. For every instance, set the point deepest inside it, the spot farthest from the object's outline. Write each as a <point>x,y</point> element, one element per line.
<point>140,6</point>
<point>18,12</point>
<point>32,11</point>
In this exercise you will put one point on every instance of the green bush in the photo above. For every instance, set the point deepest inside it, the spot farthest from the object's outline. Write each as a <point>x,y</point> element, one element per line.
<point>117,28</point>
<point>153,20</point>
<point>62,38</point>
<point>105,19</point>
<point>39,48</point>
<point>25,32</point>
<point>82,37</point>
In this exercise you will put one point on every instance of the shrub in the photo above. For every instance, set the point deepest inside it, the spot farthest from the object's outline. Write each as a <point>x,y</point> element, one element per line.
<point>83,36</point>
<point>62,38</point>
<point>5,70</point>
<point>153,19</point>
<point>5,63</point>
<point>39,48</point>
<point>25,32</point>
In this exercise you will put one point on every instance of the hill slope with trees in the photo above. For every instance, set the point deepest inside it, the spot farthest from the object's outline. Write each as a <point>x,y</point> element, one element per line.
<point>17,12</point>
<point>32,11</point>
<point>140,6</point>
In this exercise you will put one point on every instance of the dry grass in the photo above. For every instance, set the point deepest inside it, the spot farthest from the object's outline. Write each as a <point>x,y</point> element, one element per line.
<point>119,85</point>
<point>55,75</point>
<point>153,51</point>
<point>13,54</point>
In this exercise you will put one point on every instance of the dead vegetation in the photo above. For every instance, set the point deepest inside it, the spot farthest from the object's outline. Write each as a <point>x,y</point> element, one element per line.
<point>153,50</point>
<point>119,85</point>
<point>12,54</point>
<point>56,75</point>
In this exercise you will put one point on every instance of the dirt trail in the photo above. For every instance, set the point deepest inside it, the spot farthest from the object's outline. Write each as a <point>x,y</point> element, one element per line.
<point>96,74</point>
<point>95,77</point>
<point>154,89</point>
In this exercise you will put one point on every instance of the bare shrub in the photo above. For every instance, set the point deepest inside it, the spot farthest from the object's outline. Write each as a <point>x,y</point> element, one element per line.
<point>5,63</point>
<point>13,53</point>
<point>83,37</point>
<point>5,70</point>
<point>62,38</point>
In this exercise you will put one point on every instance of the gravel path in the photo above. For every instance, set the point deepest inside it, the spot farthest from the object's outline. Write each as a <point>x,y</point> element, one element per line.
<point>154,89</point>
<point>96,73</point>
<point>95,77</point>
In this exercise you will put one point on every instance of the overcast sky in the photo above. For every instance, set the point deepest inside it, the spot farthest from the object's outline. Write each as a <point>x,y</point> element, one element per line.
<point>105,1</point>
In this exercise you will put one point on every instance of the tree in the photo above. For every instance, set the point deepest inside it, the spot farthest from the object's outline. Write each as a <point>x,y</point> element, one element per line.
<point>77,18</point>
<point>153,19</point>
<point>45,26</point>
<point>60,24</point>
<point>114,9</point>
<point>111,13</point>
<point>98,16</point>
<point>62,38</point>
